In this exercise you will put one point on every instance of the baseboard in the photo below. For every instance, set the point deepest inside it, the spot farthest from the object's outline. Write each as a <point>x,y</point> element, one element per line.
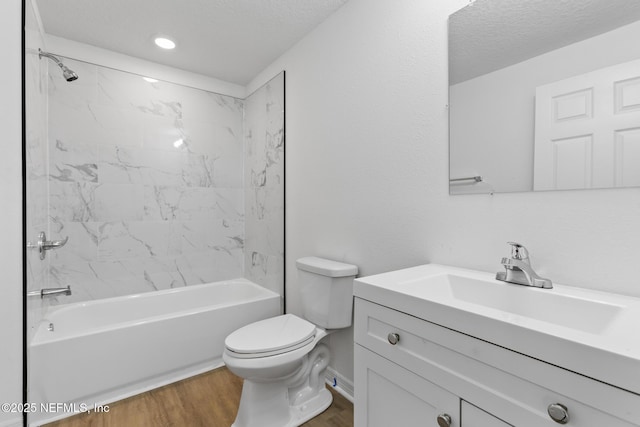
<point>339,383</point>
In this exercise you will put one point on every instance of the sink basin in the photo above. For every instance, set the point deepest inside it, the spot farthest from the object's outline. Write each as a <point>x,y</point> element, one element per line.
<point>571,311</point>
<point>589,332</point>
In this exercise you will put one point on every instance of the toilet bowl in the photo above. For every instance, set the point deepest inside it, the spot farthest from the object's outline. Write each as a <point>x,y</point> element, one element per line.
<point>283,380</point>
<point>282,359</point>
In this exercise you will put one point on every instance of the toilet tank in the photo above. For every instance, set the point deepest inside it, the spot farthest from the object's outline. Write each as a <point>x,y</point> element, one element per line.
<point>326,290</point>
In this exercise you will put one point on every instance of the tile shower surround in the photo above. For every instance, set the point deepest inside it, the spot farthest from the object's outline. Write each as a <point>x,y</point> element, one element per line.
<point>150,181</point>
<point>264,185</point>
<point>36,161</point>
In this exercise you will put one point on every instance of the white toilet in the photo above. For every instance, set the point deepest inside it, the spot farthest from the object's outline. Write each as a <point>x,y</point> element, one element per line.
<point>280,358</point>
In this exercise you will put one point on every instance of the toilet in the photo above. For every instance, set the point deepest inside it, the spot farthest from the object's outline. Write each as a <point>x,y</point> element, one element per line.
<point>282,360</point>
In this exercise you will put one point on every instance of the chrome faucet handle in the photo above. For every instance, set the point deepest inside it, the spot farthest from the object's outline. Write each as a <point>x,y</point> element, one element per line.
<point>55,244</point>
<point>43,245</point>
<point>518,269</point>
<point>518,251</point>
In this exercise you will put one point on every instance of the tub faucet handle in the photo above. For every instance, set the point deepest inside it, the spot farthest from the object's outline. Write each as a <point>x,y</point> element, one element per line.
<point>55,244</point>
<point>43,245</point>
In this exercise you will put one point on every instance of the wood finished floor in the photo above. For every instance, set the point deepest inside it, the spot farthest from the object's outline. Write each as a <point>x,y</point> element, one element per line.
<point>207,400</point>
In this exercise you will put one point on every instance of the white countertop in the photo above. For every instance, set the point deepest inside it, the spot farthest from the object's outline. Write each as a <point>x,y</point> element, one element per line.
<point>596,334</point>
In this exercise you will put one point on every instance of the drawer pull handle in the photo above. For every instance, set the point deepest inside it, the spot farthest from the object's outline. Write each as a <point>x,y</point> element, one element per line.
<point>558,413</point>
<point>393,338</point>
<point>444,420</point>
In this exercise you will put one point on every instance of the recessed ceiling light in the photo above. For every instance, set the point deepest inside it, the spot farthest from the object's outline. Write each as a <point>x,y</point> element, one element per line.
<point>165,43</point>
<point>150,80</point>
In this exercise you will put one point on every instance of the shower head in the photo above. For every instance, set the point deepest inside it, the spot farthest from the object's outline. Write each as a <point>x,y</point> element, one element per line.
<point>68,74</point>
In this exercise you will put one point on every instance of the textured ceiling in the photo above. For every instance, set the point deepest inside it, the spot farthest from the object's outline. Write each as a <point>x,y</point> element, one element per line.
<point>489,35</point>
<point>232,40</point>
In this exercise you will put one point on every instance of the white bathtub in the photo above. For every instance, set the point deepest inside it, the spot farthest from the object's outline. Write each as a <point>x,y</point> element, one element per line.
<point>102,351</point>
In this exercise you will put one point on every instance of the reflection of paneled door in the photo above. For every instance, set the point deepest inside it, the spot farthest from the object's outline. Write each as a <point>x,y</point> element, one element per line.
<point>587,130</point>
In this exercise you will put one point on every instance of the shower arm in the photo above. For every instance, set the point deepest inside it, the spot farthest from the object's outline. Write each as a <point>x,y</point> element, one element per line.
<point>50,56</point>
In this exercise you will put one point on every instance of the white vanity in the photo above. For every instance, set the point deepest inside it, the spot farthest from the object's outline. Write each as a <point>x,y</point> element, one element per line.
<point>443,346</point>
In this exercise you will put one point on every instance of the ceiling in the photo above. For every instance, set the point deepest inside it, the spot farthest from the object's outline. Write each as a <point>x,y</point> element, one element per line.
<point>231,40</point>
<point>489,35</point>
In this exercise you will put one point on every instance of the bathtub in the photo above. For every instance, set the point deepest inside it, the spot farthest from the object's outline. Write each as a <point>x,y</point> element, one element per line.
<point>102,351</point>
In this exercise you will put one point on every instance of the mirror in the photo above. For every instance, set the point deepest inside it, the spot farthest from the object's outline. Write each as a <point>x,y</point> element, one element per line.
<point>544,95</point>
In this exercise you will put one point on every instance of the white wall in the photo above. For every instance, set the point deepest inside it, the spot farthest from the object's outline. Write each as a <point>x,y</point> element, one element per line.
<point>367,166</point>
<point>11,211</point>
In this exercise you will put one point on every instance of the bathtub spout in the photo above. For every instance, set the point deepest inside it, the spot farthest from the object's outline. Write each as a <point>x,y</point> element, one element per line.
<point>50,292</point>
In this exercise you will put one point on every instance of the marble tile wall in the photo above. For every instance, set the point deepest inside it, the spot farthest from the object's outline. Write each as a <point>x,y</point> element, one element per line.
<point>264,190</point>
<point>147,181</point>
<point>36,161</point>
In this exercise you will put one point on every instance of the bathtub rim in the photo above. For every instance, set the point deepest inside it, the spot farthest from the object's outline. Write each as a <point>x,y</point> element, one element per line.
<point>41,337</point>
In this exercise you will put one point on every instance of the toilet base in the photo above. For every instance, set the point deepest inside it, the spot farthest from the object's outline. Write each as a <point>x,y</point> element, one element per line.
<point>315,406</point>
<point>267,405</point>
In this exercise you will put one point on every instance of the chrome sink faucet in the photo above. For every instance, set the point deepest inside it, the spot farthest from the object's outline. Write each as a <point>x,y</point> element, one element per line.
<point>518,269</point>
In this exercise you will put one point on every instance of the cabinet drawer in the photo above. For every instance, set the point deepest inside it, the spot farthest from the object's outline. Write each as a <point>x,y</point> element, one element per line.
<point>512,386</point>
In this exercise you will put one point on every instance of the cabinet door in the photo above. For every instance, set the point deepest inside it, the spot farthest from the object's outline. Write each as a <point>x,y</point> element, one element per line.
<point>389,395</point>
<point>472,416</point>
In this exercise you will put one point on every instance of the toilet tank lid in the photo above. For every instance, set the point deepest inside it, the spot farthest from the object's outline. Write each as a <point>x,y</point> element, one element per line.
<point>326,267</point>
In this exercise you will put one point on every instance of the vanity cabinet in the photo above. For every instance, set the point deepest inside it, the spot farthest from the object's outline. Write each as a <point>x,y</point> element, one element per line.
<point>397,397</point>
<point>411,372</point>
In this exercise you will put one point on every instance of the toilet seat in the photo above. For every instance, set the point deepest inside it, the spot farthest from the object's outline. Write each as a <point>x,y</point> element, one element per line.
<point>270,337</point>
